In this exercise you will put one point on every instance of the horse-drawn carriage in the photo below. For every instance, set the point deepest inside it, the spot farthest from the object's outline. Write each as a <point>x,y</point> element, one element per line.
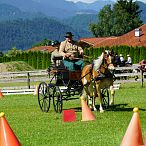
<point>64,85</point>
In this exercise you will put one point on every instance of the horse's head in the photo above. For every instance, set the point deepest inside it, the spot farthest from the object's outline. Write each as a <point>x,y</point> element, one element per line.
<point>103,63</point>
<point>108,60</point>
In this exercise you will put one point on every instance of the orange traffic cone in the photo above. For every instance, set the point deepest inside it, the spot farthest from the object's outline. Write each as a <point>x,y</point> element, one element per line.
<point>87,114</point>
<point>145,142</point>
<point>1,94</point>
<point>36,89</point>
<point>133,135</point>
<point>7,137</point>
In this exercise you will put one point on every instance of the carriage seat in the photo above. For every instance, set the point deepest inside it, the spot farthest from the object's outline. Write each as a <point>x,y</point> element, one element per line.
<point>58,67</point>
<point>75,75</point>
<point>67,75</point>
<point>57,62</point>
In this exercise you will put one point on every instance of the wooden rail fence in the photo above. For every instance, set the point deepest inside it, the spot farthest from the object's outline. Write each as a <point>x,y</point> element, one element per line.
<point>122,74</point>
<point>130,74</point>
<point>23,77</point>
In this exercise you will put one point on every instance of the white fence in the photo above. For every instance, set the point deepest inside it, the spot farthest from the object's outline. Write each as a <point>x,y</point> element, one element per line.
<point>23,77</point>
<point>122,74</point>
<point>20,91</point>
<point>129,74</point>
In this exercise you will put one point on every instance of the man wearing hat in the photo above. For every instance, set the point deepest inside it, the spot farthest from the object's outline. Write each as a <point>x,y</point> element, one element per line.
<point>129,60</point>
<point>55,55</point>
<point>72,53</point>
<point>122,61</point>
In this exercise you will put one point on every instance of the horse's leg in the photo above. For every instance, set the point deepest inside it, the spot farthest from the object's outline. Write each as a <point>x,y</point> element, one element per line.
<point>85,94</point>
<point>91,99</point>
<point>100,105</point>
<point>94,97</point>
<point>112,95</point>
<point>90,102</point>
<point>91,91</point>
<point>94,107</point>
<point>100,97</point>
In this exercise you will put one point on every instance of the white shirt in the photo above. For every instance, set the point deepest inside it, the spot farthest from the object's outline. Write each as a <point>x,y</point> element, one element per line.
<point>122,58</point>
<point>129,60</point>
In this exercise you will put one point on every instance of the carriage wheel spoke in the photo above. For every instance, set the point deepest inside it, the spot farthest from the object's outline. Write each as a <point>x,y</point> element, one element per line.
<point>44,97</point>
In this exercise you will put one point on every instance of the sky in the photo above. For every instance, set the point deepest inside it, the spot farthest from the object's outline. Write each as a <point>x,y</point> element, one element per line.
<point>90,1</point>
<point>86,1</point>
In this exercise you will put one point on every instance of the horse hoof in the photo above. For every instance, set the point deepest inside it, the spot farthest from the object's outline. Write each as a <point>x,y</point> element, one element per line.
<point>111,103</point>
<point>95,109</point>
<point>101,111</point>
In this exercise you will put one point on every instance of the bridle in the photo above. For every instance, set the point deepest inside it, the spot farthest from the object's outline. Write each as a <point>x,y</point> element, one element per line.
<point>104,65</point>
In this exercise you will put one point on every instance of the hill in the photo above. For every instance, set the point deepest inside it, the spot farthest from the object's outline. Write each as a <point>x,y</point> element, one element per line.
<point>96,6</point>
<point>23,34</point>
<point>143,8</point>
<point>56,8</point>
<point>25,23</point>
<point>15,66</point>
<point>9,12</point>
<point>81,22</point>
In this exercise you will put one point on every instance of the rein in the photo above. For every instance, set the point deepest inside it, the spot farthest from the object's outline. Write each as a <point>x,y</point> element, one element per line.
<point>104,65</point>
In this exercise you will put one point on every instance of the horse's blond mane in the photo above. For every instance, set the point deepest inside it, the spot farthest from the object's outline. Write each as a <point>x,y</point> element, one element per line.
<point>98,62</point>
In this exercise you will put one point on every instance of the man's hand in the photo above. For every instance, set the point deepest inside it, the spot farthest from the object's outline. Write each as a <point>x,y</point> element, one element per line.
<point>67,55</point>
<point>81,52</point>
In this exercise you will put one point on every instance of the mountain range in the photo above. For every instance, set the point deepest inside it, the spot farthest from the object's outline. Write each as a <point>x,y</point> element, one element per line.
<point>57,8</point>
<point>57,15</point>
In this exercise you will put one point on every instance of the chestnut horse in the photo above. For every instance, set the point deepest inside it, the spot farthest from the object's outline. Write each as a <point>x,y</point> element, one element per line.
<point>97,76</point>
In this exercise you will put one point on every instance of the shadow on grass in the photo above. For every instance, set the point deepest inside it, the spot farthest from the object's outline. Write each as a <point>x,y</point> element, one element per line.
<point>122,107</point>
<point>77,109</point>
<point>116,108</point>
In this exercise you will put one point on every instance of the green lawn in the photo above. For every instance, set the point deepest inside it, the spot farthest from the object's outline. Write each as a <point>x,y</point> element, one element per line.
<point>35,128</point>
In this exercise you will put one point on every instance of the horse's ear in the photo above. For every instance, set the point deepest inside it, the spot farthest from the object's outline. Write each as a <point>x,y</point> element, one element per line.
<point>102,54</point>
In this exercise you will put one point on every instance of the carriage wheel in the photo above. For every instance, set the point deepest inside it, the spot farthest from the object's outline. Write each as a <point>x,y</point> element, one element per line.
<point>44,97</point>
<point>105,97</point>
<point>57,100</point>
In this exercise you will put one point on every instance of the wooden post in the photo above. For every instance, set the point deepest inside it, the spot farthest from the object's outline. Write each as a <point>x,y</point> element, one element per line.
<point>28,80</point>
<point>142,78</point>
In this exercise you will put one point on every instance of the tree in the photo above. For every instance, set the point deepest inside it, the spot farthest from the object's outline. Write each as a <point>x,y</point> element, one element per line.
<point>123,17</point>
<point>1,54</point>
<point>13,52</point>
<point>44,42</point>
<point>103,28</point>
<point>39,60</point>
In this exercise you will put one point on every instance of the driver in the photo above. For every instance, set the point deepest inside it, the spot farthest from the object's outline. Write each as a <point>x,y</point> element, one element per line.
<point>72,53</point>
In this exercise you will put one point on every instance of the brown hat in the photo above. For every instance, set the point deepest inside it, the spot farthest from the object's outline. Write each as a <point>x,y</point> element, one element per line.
<point>68,34</point>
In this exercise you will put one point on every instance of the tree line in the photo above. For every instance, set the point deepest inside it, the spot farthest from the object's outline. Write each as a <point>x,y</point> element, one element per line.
<point>36,59</point>
<point>137,53</point>
<point>42,60</point>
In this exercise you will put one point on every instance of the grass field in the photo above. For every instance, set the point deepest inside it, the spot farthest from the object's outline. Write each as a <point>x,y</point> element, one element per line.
<point>35,128</point>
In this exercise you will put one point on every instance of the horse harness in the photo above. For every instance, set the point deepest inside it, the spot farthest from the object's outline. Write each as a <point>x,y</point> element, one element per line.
<point>100,75</point>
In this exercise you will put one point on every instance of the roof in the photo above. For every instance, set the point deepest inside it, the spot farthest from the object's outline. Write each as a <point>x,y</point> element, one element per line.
<point>42,48</point>
<point>126,39</point>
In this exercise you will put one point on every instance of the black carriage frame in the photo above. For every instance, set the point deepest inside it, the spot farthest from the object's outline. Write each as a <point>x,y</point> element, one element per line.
<point>53,91</point>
